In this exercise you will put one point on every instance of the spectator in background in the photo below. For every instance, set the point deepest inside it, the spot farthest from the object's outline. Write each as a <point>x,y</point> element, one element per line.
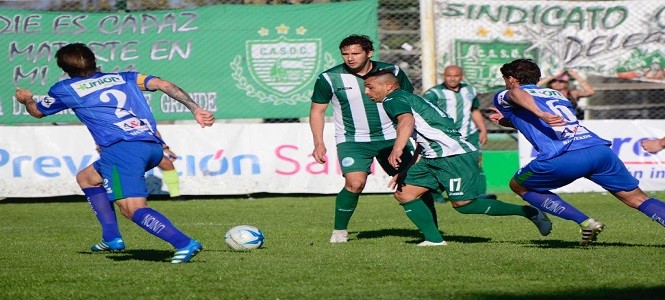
<point>113,108</point>
<point>362,129</point>
<point>460,101</point>
<point>567,151</point>
<point>561,82</point>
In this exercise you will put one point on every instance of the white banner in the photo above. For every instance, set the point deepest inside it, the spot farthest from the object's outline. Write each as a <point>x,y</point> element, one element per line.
<point>226,159</point>
<point>621,39</point>
<point>625,136</point>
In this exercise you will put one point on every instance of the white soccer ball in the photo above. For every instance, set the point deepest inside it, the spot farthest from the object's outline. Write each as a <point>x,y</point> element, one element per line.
<point>244,237</point>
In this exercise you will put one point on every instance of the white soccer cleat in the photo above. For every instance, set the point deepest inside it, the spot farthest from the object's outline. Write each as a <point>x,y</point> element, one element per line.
<point>428,243</point>
<point>590,231</point>
<point>542,222</point>
<point>339,236</point>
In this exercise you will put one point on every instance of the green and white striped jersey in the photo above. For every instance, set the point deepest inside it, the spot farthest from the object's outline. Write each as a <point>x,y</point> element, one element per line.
<point>356,117</point>
<point>434,130</point>
<point>458,105</point>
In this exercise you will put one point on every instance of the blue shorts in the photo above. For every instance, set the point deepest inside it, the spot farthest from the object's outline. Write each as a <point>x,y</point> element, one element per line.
<point>123,166</point>
<point>598,164</point>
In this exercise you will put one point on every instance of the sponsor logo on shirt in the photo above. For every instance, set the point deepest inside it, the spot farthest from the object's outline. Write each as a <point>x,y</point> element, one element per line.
<point>133,124</point>
<point>344,88</point>
<point>47,101</point>
<point>89,86</point>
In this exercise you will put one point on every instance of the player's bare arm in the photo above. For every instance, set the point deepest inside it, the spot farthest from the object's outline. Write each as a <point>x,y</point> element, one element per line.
<point>497,118</point>
<point>316,124</point>
<point>477,118</point>
<point>202,116</point>
<point>405,125</point>
<point>24,97</point>
<point>523,99</point>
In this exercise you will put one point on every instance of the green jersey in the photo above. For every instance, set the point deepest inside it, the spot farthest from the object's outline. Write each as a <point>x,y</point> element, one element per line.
<point>356,117</point>
<point>433,130</point>
<point>458,105</point>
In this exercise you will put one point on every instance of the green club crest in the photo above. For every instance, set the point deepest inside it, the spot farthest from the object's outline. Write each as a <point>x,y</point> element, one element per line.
<point>283,66</point>
<point>483,59</point>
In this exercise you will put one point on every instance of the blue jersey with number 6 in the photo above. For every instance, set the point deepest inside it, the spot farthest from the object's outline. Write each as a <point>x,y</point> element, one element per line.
<point>549,141</point>
<point>111,105</point>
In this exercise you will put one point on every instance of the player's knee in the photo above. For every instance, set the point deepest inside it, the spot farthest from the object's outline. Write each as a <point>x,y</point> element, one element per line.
<point>84,180</point>
<point>517,188</point>
<point>401,198</point>
<point>355,187</point>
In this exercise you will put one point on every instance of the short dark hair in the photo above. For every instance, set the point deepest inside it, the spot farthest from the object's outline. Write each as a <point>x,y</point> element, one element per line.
<point>380,71</point>
<point>364,41</point>
<point>526,71</point>
<point>385,75</point>
<point>77,60</point>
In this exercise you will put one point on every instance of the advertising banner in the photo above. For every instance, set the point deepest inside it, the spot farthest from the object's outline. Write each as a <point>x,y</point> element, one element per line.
<point>625,136</point>
<point>226,159</point>
<point>238,61</point>
<point>620,39</point>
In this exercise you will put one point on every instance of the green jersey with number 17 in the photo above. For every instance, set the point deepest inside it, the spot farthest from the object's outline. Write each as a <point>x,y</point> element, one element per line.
<point>356,117</point>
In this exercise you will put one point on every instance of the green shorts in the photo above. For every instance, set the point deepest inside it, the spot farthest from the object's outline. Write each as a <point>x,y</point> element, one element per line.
<point>358,156</point>
<point>457,175</point>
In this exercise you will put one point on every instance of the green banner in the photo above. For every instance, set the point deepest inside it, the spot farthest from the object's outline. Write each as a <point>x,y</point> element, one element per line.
<point>238,61</point>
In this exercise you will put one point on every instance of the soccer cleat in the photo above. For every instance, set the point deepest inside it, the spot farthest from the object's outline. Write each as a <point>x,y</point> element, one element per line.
<point>116,244</point>
<point>542,222</point>
<point>339,236</point>
<point>590,230</point>
<point>185,254</point>
<point>428,243</point>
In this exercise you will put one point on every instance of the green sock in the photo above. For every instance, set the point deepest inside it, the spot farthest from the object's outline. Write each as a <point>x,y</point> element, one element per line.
<point>345,205</point>
<point>172,182</point>
<point>483,182</point>
<point>418,213</point>
<point>428,199</point>
<point>490,207</point>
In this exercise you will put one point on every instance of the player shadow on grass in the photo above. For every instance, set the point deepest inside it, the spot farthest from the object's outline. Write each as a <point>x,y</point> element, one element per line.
<point>560,244</point>
<point>414,233</point>
<point>137,254</point>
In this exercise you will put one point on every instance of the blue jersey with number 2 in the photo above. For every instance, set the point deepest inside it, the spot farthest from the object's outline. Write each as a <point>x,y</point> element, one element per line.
<point>549,141</point>
<point>111,105</point>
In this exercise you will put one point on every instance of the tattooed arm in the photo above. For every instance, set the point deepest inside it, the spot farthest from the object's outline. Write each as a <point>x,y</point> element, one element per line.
<point>202,116</point>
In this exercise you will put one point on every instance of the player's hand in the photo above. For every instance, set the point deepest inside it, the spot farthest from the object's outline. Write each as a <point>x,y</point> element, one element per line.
<point>23,95</point>
<point>396,180</point>
<point>204,117</point>
<point>482,138</point>
<point>552,119</point>
<point>495,115</point>
<point>652,146</point>
<point>170,155</point>
<point>319,153</point>
<point>395,157</point>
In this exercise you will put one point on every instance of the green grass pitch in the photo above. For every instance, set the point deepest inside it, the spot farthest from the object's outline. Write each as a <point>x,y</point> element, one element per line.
<point>44,253</point>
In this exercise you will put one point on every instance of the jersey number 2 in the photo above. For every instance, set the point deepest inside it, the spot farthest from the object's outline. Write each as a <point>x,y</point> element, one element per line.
<point>119,96</point>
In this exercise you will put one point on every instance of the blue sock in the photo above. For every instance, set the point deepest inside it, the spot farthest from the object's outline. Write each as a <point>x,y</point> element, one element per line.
<point>553,204</point>
<point>103,209</point>
<point>158,225</point>
<point>654,209</point>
